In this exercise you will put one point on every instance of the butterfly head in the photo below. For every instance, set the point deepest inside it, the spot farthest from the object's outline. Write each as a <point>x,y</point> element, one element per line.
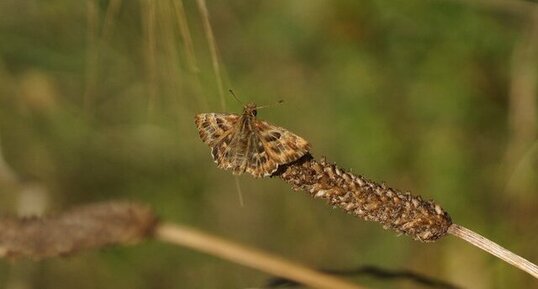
<point>250,110</point>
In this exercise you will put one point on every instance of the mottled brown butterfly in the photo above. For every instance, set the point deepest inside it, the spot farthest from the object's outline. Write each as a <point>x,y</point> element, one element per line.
<point>242,143</point>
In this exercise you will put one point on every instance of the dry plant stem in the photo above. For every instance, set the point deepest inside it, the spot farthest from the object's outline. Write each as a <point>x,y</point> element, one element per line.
<point>92,19</point>
<point>190,56</point>
<point>494,249</point>
<point>522,116</point>
<point>95,44</point>
<point>112,12</point>
<point>148,22</point>
<point>213,49</point>
<point>172,79</point>
<point>186,35</point>
<point>185,236</point>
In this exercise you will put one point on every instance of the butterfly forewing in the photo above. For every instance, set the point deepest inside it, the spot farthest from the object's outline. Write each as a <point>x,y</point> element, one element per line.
<point>242,143</point>
<point>215,126</point>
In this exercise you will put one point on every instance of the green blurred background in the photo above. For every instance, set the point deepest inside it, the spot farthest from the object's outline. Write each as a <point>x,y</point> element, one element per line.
<point>97,100</point>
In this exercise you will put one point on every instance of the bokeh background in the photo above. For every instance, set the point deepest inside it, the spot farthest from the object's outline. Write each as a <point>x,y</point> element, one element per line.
<point>97,100</point>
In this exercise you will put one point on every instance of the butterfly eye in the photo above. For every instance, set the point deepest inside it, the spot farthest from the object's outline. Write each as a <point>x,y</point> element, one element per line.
<point>254,112</point>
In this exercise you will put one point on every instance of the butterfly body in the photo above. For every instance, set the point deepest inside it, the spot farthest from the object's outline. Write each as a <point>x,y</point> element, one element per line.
<point>242,143</point>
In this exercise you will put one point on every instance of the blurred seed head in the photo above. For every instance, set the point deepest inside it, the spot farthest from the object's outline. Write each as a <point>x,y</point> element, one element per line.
<point>81,228</point>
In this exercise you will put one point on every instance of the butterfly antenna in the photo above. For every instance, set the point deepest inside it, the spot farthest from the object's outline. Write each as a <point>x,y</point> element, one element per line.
<point>235,97</point>
<point>269,105</point>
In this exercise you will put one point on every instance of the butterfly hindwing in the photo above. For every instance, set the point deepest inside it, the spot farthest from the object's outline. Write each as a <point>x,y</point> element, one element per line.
<point>234,157</point>
<point>280,144</point>
<point>259,163</point>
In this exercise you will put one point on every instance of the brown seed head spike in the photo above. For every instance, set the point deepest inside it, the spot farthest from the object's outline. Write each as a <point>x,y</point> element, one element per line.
<point>422,220</point>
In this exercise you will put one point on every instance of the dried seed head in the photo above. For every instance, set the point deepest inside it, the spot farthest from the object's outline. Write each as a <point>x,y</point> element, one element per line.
<point>330,172</point>
<point>438,210</point>
<point>402,212</point>
<point>350,206</point>
<point>320,194</point>
<point>96,225</point>
<point>317,168</point>
<point>338,171</point>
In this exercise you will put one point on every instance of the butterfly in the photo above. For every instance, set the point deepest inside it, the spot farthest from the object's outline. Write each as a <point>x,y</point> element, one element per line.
<point>242,143</point>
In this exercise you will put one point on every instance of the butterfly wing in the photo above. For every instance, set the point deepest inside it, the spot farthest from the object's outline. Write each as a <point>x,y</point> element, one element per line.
<point>242,151</point>
<point>248,145</point>
<point>213,127</point>
<point>281,145</point>
<point>259,164</point>
<point>228,144</point>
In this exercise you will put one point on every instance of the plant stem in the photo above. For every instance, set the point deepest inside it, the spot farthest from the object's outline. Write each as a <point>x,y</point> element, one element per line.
<point>494,249</point>
<point>188,237</point>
